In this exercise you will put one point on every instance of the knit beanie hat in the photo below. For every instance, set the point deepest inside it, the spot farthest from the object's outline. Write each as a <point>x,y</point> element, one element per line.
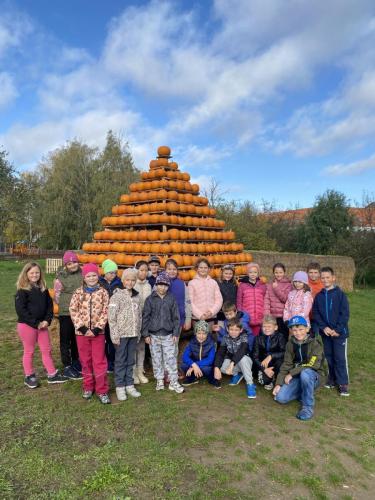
<point>301,276</point>
<point>90,268</point>
<point>253,264</point>
<point>201,326</point>
<point>109,266</point>
<point>70,256</point>
<point>163,279</point>
<point>129,274</point>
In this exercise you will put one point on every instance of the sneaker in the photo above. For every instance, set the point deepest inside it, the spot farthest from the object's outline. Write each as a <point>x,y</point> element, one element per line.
<point>132,391</point>
<point>104,399</point>
<point>305,413</point>
<point>121,394</point>
<point>71,374</point>
<point>260,378</point>
<point>216,384</point>
<point>160,385</point>
<point>141,376</point>
<point>57,379</point>
<point>87,394</point>
<point>236,379</point>
<point>31,381</point>
<point>176,387</point>
<point>135,377</point>
<point>329,384</point>
<point>251,391</point>
<point>268,387</point>
<point>344,390</point>
<point>110,367</point>
<point>189,381</point>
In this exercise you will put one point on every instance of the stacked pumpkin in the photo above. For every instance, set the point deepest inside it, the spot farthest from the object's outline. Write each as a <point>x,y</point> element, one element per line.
<point>164,215</point>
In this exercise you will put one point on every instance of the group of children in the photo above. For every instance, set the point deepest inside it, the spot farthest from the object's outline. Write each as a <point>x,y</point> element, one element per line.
<point>278,334</point>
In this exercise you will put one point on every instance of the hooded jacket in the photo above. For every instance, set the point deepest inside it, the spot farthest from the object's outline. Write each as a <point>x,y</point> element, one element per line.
<point>244,318</point>
<point>299,356</point>
<point>160,316</point>
<point>65,285</point>
<point>33,306</point>
<point>276,297</point>
<point>203,354</point>
<point>89,310</point>
<point>331,308</point>
<point>180,292</point>
<point>111,286</point>
<point>205,296</point>
<point>232,348</point>
<point>124,315</point>
<point>299,303</point>
<point>250,298</point>
<point>144,289</point>
<point>268,345</point>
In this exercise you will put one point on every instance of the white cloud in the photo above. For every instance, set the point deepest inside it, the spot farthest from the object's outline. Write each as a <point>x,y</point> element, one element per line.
<point>354,168</point>
<point>14,27</point>
<point>8,91</point>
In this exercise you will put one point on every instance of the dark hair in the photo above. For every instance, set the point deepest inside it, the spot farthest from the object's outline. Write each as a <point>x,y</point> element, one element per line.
<point>229,306</point>
<point>227,267</point>
<point>306,288</point>
<point>140,263</point>
<point>313,265</point>
<point>327,269</point>
<point>280,265</point>
<point>235,322</point>
<point>200,260</point>
<point>171,261</point>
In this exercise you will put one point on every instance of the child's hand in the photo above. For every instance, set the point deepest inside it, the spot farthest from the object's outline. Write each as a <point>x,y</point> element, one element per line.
<point>175,339</point>
<point>197,371</point>
<point>269,372</point>
<point>217,373</point>
<point>148,340</point>
<point>274,284</point>
<point>189,372</point>
<point>266,361</point>
<point>89,334</point>
<point>187,326</point>
<point>334,333</point>
<point>288,378</point>
<point>42,325</point>
<point>229,370</point>
<point>328,331</point>
<point>276,389</point>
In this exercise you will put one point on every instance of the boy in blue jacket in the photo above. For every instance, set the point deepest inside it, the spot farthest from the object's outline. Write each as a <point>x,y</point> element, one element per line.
<point>198,357</point>
<point>230,312</point>
<point>331,313</point>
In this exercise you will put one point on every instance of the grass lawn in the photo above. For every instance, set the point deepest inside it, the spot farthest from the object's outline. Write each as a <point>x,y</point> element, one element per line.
<point>201,444</point>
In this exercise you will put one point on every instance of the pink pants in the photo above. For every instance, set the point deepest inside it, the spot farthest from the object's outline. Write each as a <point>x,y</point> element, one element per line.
<point>30,336</point>
<point>91,352</point>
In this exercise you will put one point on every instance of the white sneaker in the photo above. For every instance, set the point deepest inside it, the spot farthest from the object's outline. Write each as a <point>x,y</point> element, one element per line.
<point>132,391</point>
<point>135,376</point>
<point>268,387</point>
<point>176,387</point>
<point>160,385</point>
<point>121,394</point>
<point>141,376</point>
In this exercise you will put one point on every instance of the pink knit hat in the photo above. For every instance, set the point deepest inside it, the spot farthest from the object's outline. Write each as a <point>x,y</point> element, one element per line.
<point>70,256</point>
<point>253,264</point>
<point>301,276</point>
<point>90,268</point>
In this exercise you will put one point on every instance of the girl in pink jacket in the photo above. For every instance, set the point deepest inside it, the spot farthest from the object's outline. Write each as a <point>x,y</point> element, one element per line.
<point>300,299</point>
<point>250,297</point>
<point>276,297</point>
<point>204,292</point>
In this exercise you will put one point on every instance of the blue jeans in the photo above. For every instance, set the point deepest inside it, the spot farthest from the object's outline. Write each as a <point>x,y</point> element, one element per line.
<point>301,388</point>
<point>208,373</point>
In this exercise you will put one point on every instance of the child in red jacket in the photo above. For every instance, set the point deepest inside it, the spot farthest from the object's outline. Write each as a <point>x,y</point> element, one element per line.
<point>250,297</point>
<point>276,297</point>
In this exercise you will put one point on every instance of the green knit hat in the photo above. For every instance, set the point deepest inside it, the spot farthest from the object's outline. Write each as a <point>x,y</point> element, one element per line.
<point>109,266</point>
<point>201,326</point>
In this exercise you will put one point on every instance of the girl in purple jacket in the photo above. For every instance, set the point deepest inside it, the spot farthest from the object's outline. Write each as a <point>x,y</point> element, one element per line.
<point>250,297</point>
<point>276,297</point>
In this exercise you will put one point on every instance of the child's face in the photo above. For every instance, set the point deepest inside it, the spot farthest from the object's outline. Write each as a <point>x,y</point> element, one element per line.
<point>154,268</point>
<point>227,275</point>
<point>72,267</point>
<point>91,279</point>
<point>201,336</point>
<point>300,332</point>
<point>230,314</point>
<point>129,283</point>
<point>298,285</point>
<point>142,272</point>
<point>253,273</point>
<point>234,331</point>
<point>328,279</point>
<point>269,328</point>
<point>313,274</point>
<point>33,275</point>
<point>110,276</point>
<point>279,273</point>
<point>171,270</point>
<point>202,270</point>
<point>162,289</point>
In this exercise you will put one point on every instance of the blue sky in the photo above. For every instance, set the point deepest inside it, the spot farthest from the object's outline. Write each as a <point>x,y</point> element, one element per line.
<point>275,100</point>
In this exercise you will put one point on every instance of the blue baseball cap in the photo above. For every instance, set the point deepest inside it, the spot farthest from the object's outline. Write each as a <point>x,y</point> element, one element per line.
<point>297,320</point>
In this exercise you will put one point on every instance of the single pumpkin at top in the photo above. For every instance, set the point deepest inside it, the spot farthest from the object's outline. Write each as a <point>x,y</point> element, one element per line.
<point>164,152</point>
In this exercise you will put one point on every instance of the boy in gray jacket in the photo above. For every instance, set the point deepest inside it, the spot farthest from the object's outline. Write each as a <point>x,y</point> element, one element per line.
<point>161,328</point>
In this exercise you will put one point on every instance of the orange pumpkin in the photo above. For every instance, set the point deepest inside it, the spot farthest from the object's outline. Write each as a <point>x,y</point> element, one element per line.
<point>164,151</point>
<point>185,176</point>
<point>173,165</point>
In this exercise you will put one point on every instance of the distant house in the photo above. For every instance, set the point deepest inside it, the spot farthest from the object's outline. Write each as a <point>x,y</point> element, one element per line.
<point>364,218</point>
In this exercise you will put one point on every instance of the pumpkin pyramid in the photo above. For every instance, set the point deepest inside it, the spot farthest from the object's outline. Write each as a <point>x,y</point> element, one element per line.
<point>165,215</point>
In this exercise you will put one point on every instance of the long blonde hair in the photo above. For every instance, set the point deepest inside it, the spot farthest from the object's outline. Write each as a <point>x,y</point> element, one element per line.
<point>23,282</point>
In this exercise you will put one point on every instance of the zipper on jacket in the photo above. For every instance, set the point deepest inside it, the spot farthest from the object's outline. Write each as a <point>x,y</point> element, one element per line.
<point>90,312</point>
<point>200,353</point>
